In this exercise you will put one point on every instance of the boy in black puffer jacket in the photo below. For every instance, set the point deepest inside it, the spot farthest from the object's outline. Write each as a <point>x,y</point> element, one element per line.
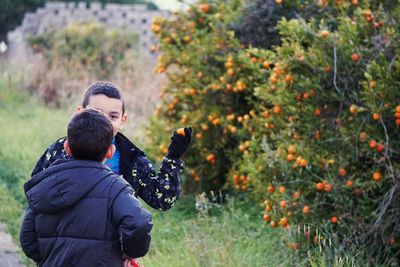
<point>80,213</point>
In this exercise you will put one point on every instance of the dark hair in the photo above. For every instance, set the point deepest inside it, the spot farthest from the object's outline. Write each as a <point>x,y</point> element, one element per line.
<point>103,88</point>
<point>89,135</point>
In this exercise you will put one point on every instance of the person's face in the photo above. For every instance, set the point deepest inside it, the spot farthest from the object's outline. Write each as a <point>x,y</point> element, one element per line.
<point>112,107</point>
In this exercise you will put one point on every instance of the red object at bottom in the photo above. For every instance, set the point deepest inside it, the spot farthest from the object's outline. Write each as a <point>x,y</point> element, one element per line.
<point>132,263</point>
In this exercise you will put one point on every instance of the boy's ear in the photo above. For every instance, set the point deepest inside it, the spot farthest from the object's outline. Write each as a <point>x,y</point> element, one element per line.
<point>79,108</point>
<point>123,120</point>
<point>67,148</point>
<point>110,152</point>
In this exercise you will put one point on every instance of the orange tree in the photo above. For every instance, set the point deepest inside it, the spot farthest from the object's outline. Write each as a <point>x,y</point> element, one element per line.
<point>325,146</point>
<point>207,90</point>
<point>309,126</point>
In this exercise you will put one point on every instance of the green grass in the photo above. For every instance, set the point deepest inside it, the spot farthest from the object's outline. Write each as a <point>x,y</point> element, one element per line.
<point>27,128</point>
<point>235,236</point>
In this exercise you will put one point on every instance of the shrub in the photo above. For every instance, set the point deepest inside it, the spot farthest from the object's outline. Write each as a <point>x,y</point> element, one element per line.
<point>75,55</point>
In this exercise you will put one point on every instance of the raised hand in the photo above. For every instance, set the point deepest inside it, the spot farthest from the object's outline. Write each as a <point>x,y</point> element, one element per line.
<point>180,141</point>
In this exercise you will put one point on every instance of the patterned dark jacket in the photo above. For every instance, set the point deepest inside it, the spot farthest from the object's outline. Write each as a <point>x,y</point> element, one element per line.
<point>159,189</point>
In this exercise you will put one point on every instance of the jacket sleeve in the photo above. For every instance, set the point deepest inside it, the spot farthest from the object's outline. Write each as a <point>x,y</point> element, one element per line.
<point>52,153</point>
<point>161,189</point>
<point>134,223</point>
<point>28,237</point>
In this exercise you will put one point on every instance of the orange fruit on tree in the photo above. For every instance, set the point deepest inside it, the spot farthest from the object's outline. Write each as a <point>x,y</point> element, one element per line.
<point>379,148</point>
<point>306,209</point>
<point>267,218</point>
<point>327,69</point>
<point>284,222</point>
<point>368,13</point>
<point>372,143</point>
<point>363,136</point>
<point>186,39</point>
<point>288,78</point>
<point>353,109</point>
<point>268,208</point>
<point>317,134</point>
<point>292,149</point>
<point>334,219</point>
<point>235,179</point>
<point>372,84</point>
<point>273,224</point>
<point>377,176</point>
<point>355,57</point>
<point>282,189</point>
<point>349,183</point>
<point>277,109</point>
<point>229,64</point>
<point>303,163</point>
<point>184,119</point>
<point>327,187</point>
<point>290,157</point>
<point>283,204</point>
<point>324,33</point>
<point>273,78</point>
<point>376,116</point>
<point>204,8</point>
<point>319,186</point>
<point>342,172</point>
<point>271,189</point>
<point>296,194</point>
<point>211,158</point>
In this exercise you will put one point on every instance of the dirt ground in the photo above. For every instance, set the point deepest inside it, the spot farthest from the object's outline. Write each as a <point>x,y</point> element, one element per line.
<point>8,250</point>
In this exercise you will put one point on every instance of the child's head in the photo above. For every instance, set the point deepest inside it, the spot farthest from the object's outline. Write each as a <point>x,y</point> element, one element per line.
<point>89,136</point>
<point>108,98</point>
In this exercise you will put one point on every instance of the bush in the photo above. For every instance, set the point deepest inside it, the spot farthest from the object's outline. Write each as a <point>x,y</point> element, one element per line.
<point>87,46</point>
<point>76,54</point>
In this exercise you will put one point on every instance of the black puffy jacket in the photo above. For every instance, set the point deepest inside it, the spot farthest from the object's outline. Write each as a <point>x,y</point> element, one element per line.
<point>81,214</point>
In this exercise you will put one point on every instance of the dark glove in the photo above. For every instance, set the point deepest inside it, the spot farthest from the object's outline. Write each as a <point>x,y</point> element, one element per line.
<point>179,143</point>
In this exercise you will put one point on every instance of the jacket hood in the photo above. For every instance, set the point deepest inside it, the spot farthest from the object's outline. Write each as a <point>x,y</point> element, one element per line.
<point>63,184</point>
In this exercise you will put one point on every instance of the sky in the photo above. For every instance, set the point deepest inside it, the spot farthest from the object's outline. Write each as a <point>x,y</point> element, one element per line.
<point>168,4</point>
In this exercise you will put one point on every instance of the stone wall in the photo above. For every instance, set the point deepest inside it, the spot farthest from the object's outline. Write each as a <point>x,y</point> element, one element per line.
<point>136,18</point>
